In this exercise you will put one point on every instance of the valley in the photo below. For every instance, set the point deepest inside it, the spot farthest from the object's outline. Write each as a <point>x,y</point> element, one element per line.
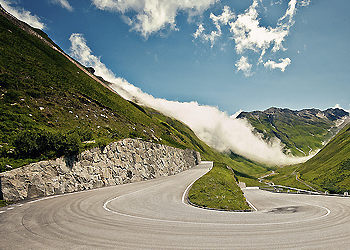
<point>90,161</point>
<point>327,171</point>
<point>51,106</point>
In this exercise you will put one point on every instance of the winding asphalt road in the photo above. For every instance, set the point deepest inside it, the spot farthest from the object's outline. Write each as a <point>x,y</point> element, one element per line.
<point>152,215</point>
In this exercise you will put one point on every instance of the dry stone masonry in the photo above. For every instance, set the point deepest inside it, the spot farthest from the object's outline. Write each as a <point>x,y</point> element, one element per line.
<point>125,161</point>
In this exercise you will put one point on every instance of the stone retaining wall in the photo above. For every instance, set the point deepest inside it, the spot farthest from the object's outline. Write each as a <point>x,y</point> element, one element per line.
<point>120,162</point>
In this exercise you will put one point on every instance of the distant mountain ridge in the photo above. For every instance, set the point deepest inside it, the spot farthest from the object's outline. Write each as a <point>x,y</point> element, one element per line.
<point>301,131</point>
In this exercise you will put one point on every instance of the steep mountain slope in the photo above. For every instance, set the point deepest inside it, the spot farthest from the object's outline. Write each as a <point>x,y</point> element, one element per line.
<point>52,106</point>
<point>301,131</point>
<point>41,91</point>
<point>330,168</point>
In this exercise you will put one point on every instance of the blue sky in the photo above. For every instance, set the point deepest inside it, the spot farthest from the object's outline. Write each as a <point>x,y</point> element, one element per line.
<point>162,56</point>
<point>203,61</point>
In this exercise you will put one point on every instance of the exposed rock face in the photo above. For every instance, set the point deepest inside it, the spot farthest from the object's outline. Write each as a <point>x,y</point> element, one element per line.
<point>120,162</point>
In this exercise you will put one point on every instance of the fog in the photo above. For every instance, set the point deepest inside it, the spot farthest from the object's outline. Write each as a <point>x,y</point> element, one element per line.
<point>218,129</point>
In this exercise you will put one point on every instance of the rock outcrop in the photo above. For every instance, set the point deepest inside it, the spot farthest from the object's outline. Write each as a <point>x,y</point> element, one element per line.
<point>120,162</point>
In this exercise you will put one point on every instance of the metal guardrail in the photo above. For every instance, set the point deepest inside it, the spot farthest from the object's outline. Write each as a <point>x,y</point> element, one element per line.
<point>280,189</point>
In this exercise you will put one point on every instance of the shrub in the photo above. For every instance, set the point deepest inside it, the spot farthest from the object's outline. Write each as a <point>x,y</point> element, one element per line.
<point>38,143</point>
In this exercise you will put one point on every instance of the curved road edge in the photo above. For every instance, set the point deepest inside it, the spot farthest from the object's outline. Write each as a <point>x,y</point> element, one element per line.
<point>185,199</point>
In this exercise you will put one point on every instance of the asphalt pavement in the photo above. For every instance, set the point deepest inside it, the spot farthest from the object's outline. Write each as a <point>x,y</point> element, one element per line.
<point>152,215</point>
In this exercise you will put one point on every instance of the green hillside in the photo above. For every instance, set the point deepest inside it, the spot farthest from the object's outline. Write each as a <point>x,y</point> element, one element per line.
<point>330,168</point>
<point>44,93</point>
<point>50,107</point>
<point>300,131</point>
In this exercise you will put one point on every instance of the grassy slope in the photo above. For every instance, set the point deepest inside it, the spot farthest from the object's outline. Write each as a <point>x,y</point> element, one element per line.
<point>285,176</point>
<point>248,171</point>
<point>330,168</point>
<point>295,131</point>
<point>217,189</point>
<point>41,90</point>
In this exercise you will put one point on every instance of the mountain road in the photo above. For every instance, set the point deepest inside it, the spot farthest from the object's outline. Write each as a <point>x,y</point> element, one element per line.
<point>152,215</point>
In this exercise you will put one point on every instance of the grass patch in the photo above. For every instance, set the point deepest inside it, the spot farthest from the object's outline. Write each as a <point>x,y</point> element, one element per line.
<point>4,203</point>
<point>218,189</point>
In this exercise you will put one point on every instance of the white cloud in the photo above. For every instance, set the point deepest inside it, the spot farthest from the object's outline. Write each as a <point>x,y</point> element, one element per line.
<point>290,12</point>
<point>64,4</point>
<point>199,31</point>
<point>304,3</point>
<point>243,65</point>
<point>219,20</point>
<point>284,62</point>
<point>84,55</point>
<point>150,16</point>
<point>247,31</point>
<point>216,128</point>
<point>22,14</point>
<point>250,35</point>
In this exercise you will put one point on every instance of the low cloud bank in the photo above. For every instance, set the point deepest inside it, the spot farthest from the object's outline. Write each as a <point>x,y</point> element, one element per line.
<point>214,127</point>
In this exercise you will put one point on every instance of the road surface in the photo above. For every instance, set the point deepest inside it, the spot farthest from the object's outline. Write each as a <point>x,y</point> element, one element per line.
<point>152,215</point>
